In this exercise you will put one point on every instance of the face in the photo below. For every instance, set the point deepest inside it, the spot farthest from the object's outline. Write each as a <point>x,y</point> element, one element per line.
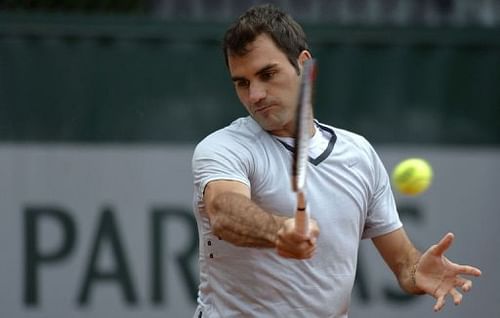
<point>267,84</point>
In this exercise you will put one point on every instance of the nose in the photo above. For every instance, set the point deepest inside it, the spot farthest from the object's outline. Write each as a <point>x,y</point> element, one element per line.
<point>256,92</point>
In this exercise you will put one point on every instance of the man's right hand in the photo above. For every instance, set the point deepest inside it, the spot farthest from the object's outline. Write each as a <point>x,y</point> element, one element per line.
<point>291,244</point>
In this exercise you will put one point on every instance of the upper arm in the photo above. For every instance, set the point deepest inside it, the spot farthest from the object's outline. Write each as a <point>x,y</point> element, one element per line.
<point>220,165</point>
<point>396,249</point>
<point>218,187</point>
<point>382,216</point>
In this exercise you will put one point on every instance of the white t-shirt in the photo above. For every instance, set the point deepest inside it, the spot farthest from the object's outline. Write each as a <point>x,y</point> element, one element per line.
<point>348,193</point>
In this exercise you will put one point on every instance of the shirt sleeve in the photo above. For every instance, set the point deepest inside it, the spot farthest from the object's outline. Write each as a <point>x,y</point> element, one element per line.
<point>382,217</point>
<point>220,158</point>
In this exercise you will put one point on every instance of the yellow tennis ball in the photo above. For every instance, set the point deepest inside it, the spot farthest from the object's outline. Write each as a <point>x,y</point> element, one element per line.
<point>412,176</point>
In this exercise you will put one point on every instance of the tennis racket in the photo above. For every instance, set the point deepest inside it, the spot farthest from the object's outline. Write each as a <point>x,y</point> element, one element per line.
<point>302,135</point>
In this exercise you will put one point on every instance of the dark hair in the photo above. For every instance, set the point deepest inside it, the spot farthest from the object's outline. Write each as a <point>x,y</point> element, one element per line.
<point>286,33</point>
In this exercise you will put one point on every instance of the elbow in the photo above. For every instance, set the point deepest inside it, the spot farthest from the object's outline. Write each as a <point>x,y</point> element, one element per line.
<point>216,223</point>
<point>217,228</point>
<point>215,214</point>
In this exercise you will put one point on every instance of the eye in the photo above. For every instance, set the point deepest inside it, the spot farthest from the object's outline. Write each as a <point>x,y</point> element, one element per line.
<point>268,75</point>
<point>241,83</point>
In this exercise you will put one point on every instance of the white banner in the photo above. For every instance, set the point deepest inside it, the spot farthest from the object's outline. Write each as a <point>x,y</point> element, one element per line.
<point>107,231</point>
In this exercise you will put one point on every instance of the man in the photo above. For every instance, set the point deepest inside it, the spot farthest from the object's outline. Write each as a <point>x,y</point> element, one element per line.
<point>252,261</point>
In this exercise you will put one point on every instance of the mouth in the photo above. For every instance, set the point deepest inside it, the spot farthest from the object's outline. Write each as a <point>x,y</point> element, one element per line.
<point>264,108</point>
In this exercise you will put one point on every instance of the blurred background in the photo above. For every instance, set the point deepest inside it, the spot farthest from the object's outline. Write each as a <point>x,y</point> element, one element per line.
<point>103,102</point>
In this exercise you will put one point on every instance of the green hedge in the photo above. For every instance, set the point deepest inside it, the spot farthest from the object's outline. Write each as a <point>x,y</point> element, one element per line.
<point>136,79</point>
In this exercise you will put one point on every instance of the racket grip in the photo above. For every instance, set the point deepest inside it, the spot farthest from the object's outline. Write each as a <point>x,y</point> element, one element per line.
<point>301,215</point>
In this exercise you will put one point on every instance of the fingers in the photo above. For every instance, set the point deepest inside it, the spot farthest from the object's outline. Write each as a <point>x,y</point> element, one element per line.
<point>439,303</point>
<point>468,270</point>
<point>443,245</point>
<point>296,249</point>
<point>455,295</point>
<point>466,285</point>
<point>297,254</point>
<point>292,237</point>
<point>291,244</point>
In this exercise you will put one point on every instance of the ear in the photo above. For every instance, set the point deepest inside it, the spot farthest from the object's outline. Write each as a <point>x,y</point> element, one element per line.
<point>303,56</point>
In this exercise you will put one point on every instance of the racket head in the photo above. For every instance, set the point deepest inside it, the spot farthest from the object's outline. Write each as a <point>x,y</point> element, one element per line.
<point>302,124</point>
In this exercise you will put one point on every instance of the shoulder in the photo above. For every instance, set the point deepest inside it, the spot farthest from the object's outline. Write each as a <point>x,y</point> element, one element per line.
<point>348,140</point>
<point>240,136</point>
<point>354,149</point>
<point>354,140</point>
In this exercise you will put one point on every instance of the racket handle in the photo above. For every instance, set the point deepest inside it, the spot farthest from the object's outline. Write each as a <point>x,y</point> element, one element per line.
<point>301,215</point>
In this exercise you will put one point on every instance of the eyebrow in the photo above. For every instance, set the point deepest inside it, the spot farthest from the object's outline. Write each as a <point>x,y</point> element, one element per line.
<point>264,69</point>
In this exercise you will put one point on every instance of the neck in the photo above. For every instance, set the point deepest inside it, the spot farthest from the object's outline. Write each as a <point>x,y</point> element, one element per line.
<point>289,130</point>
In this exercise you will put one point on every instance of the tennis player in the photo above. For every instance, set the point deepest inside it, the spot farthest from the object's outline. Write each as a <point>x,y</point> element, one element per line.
<point>252,261</point>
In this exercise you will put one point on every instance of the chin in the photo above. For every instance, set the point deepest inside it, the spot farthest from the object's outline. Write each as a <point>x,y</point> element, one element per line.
<point>272,122</point>
<point>272,127</point>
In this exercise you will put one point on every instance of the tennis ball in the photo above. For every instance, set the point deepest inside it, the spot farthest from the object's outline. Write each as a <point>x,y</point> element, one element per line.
<point>412,176</point>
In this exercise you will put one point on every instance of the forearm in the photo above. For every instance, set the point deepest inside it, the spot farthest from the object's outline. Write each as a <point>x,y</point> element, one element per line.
<point>238,220</point>
<point>407,273</point>
<point>401,256</point>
